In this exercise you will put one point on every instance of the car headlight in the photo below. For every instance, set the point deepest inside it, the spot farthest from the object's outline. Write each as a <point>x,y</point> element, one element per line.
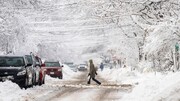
<point>21,73</point>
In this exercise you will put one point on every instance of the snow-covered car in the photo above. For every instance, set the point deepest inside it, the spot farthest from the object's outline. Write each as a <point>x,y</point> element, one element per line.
<point>82,67</point>
<point>36,68</point>
<point>16,69</point>
<point>53,68</point>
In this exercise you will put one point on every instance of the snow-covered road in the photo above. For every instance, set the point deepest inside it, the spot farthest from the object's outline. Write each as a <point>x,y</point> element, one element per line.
<point>78,90</point>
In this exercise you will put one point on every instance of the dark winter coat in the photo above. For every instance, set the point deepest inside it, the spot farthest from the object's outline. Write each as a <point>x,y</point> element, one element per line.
<point>92,70</point>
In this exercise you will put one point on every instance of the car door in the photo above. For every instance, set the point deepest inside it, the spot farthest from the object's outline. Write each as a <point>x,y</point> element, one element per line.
<point>36,68</point>
<point>29,70</point>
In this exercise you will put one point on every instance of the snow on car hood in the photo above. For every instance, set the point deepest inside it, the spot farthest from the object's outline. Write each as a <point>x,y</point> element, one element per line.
<point>11,68</point>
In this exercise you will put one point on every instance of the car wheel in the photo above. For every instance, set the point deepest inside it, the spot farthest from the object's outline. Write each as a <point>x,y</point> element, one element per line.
<point>40,82</point>
<point>60,77</point>
<point>34,79</point>
<point>43,81</point>
<point>26,83</point>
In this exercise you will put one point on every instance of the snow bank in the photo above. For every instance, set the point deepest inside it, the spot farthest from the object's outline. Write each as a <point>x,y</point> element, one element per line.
<point>148,86</point>
<point>68,73</point>
<point>151,86</point>
<point>10,91</point>
<point>121,75</point>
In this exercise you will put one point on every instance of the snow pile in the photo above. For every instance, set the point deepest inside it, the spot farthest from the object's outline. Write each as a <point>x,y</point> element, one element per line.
<point>68,73</point>
<point>9,91</point>
<point>148,86</point>
<point>145,66</point>
<point>120,75</point>
<point>154,87</point>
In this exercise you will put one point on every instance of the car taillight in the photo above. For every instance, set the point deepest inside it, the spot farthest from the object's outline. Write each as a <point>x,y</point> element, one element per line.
<point>59,69</point>
<point>43,65</point>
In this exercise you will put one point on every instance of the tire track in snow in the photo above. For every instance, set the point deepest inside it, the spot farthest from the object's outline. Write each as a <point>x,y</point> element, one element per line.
<point>64,93</point>
<point>114,93</point>
<point>111,94</point>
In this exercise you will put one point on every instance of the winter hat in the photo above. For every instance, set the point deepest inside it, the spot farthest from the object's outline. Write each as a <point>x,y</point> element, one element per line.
<point>91,61</point>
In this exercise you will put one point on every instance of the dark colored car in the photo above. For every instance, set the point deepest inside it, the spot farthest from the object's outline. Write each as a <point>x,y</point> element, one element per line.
<point>54,69</point>
<point>16,69</point>
<point>36,68</point>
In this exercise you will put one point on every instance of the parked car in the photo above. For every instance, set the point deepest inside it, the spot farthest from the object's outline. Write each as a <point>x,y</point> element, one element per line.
<point>16,69</point>
<point>36,68</point>
<point>42,71</point>
<point>82,67</point>
<point>54,69</point>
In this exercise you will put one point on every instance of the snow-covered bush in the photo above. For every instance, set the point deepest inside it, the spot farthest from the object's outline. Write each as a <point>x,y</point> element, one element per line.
<point>12,24</point>
<point>12,32</point>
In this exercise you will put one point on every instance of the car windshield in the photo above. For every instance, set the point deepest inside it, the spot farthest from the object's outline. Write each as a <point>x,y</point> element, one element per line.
<point>82,65</point>
<point>11,61</point>
<point>52,64</point>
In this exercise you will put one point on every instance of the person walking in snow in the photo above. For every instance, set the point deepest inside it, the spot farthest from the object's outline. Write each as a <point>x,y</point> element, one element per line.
<point>101,66</point>
<point>92,73</point>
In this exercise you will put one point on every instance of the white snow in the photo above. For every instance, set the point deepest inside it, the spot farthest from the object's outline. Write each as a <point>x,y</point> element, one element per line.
<point>85,95</point>
<point>148,86</point>
<point>9,91</point>
<point>76,30</point>
<point>123,75</point>
<point>68,73</point>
